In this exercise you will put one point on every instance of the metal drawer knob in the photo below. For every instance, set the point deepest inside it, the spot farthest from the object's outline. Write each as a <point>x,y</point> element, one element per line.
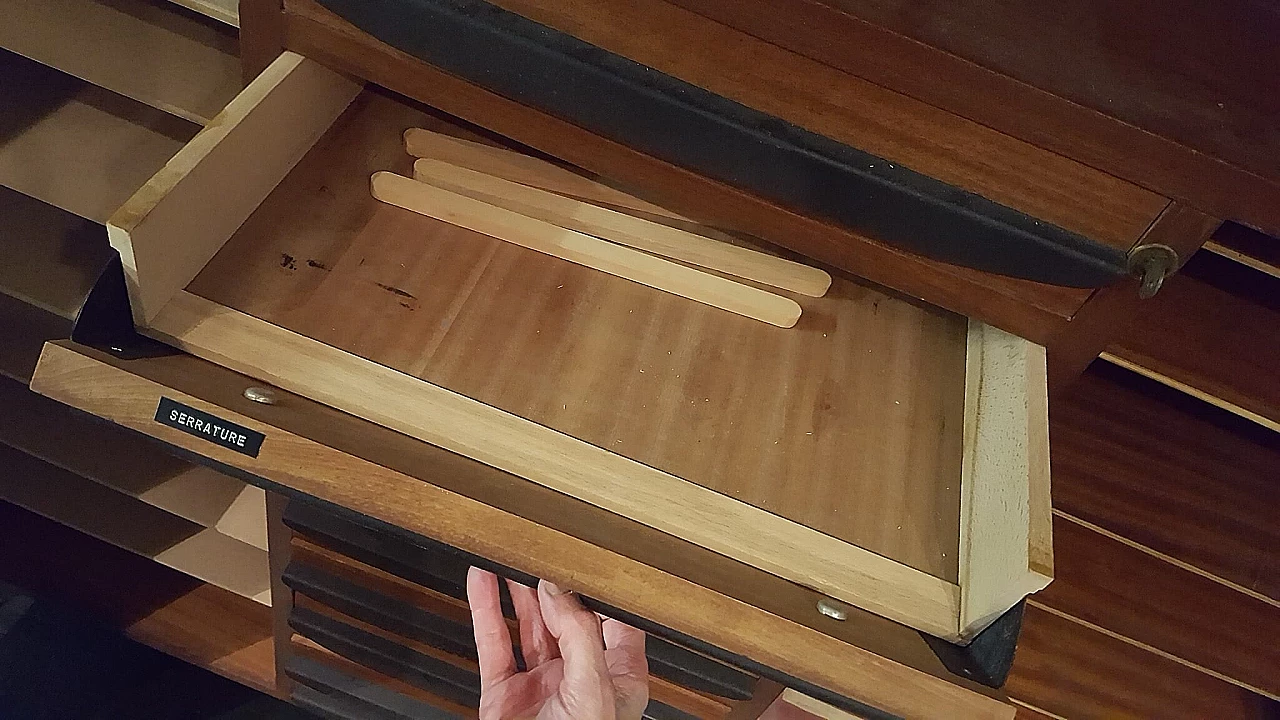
<point>263,395</point>
<point>1152,264</point>
<point>833,609</point>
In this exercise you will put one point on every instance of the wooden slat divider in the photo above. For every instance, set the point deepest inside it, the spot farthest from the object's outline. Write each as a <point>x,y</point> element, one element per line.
<point>145,51</point>
<point>152,604</point>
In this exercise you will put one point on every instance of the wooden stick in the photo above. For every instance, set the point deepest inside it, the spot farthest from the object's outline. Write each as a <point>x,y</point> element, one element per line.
<point>521,168</point>
<point>625,229</point>
<point>585,250</point>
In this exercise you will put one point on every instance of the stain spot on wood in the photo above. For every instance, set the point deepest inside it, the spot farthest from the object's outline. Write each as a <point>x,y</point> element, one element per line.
<point>396,291</point>
<point>317,264</point>
<point>286,262</point>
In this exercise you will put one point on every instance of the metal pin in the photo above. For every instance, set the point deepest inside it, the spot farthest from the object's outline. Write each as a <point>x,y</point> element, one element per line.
<point>832,609</point>
<point>263,395</point>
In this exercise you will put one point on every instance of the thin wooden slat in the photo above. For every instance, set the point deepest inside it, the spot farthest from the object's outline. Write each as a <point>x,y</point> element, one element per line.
<point>128,464</point>
<point>1171,473</point>
<point>1068,669</point>
<point>129,398</point>
<point>216,181</point>
<point>1153,602</point>
<point>1247,246</point>
<point>521,168</point>
<point>585,250</point>
<point>1006,547</point>
<point>224,11</point>
<point>1211,332</point>
<point>624,229</point>
<point>75,145</point>
<point>152,604</point>
<point>559,461</point>
<point>549,340</point>
<point>121,520</point>
<point>143,51</point>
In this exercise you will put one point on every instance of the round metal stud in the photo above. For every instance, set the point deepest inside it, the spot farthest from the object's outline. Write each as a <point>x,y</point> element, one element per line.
<point>833,609</point>
<point>263,395</point>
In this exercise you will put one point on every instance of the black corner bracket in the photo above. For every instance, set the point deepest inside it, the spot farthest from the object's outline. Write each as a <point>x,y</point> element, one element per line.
<point>688,126</point>
<point>105,321</point>
<point>987,658</point>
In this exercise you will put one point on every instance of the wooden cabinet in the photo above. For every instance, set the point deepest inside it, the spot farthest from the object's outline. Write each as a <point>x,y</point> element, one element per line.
<point>845,514</point>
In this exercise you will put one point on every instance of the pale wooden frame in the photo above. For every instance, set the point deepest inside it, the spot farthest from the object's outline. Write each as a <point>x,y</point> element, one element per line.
<point>167,232</point>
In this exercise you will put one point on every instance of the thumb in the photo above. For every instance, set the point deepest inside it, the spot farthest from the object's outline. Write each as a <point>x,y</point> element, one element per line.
<point>578,633</point>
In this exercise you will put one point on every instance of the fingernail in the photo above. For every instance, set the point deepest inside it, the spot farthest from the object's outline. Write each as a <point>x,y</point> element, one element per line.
<point>554,589</point>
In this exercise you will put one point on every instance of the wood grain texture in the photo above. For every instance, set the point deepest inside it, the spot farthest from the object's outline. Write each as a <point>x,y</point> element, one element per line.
<point>558,461</point>
<point>840,106</point>
<point>1032,310</point>
<point>141,50</point>
<point>1180,70</point>
<point>861,376</point>
<point>521,498</point>
<point>507,539</point>
<point>1006,550</point>
<point>126,463</point>
<point>216,180</point>
<point>1070,670</point>
<point>134,525</point>
<point>1170,472</point>
<point>152,604</point>
<point>75,145</point>
<point>591,252</point>
<point>1111,311</point>
<point>652,237</point>
<point>521,168</point>
<point>1105,582</point>
<point>837,34</point>
<point>1212,328</point>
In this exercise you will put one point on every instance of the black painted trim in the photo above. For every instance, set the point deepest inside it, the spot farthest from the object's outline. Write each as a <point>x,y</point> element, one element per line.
<point>444,569</point>
<point>387,657</point>
<point>377,609</point>
<point>988,657</point>
<point>336,694</point>
<point>688,126</point>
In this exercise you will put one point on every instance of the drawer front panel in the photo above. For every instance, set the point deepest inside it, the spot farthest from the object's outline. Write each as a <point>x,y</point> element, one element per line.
<point>126,392</point>
<point>681,123</point>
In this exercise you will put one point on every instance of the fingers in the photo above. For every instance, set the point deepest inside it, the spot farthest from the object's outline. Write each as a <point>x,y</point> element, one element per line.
<point>493,640</point>
<point>536,643</point>
<point>577,632</point>
<point>628,667</point>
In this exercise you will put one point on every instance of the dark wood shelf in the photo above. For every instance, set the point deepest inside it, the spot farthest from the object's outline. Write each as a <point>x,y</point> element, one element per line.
<point>1211,332</point>
<point>150,603</point>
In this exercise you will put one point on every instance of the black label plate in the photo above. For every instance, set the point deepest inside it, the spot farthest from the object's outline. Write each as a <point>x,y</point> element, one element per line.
<point>203,425</point>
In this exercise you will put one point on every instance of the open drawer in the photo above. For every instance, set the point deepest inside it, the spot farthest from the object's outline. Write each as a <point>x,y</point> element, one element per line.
<point>888,455</point>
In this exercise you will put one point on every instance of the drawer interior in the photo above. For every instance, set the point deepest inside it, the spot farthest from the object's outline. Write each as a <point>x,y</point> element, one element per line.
<point>852,453</point>
<point>836,423</point>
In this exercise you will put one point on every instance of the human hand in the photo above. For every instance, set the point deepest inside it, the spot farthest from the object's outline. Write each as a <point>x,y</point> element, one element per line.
<point>577,668</point>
